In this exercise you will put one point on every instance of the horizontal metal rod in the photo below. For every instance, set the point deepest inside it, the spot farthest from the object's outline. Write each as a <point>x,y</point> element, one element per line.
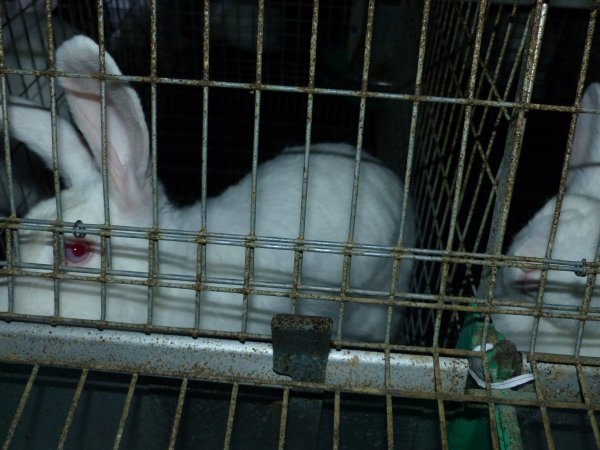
<point>306,90</point>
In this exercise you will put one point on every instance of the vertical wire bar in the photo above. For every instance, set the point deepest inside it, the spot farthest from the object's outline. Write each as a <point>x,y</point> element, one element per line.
<point>298,255</point>
<point>10,236</point>
<point>587,399</point>
<point>105,249</point>
<point>231,416</point>
<point>309,115</point>
<point>586,304</point>
<point>389,414</point>
<point>336,421</point>
<point>57,241</point>
<point>201,247</point>
<point>441,128</point>
<point>153,243</point>
<point>285,402</point>
<point>414,117</point>
<point>361,118</point>
<point>544,275</point>
<point>125,412</point>
<point>483,8</point>
<point>565,169</point>
<point>178,413</point>
<point>71,413</point>
<point>359,142</point>
<point>439,389</point>
<point>449,81</point>
<point>543,410</point>
<point>406,199</point>
<point>504,194</point>
<point>478,146</point>
<point>493,415</point>
<point>249,256</point>
<point>508,168</point>
<point>502,113</point>
<point>21,407</point>
<point>257,104</point>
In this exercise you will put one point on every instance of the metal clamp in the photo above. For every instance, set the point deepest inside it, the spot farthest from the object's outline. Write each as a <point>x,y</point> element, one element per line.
<point>584,269</point>
<point>79,230</point>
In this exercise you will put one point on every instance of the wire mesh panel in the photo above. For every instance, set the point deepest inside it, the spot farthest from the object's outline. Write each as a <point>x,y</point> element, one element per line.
<point>299,224</point>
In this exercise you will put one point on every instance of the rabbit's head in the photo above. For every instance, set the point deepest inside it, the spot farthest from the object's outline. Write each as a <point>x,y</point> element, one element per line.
<point>576,238</point>
<point>129,187</point>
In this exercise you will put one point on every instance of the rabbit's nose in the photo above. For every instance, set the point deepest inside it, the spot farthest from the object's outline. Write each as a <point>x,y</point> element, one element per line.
<point>528,281</point>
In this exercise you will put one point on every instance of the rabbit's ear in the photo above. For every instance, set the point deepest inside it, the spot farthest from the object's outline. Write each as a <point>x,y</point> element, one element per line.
<point>126,131</point>
<point>584,170</point>
<point>31,124</point>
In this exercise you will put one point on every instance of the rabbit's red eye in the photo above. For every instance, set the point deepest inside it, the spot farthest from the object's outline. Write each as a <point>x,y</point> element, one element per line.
<point>77,251</point>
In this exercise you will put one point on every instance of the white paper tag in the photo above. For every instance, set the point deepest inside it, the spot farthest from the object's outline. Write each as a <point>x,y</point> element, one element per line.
<point>506,384</point>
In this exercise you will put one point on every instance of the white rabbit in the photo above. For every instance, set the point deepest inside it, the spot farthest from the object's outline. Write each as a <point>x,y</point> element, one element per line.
<point>278,212</point>
<point>577,237</point>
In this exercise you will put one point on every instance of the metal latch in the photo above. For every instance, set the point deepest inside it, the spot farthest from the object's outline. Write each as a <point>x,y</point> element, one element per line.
<point>301,346</point>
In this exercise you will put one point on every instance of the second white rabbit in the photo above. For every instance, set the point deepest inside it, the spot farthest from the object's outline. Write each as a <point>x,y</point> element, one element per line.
<point>577,237</point>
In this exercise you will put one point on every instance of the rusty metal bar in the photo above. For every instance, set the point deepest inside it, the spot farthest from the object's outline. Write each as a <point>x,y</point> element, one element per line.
<point>298,254</point>
<point>283,419</point>
<point>587,398</point>
<point>502,113</point>
<point>125,412</point>
<point>542,407</point>
<point>336,420</point>
<point>231,415</point>
<point>436,99</point>
<point>389,421</point>
<point>249,252</point>
<point>153,244</point>
<point>562,188</point>
<point>21,407</point>
<point>57,242</point>
<point>508,166</point>
<point>178,413</point>
<point>201,247</point>
<point>439,388</point>
<point>10,238</point>
<point>493,414</point>
<point>69,420</point>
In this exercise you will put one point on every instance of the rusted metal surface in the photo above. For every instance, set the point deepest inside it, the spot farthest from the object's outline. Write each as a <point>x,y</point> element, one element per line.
<point>301,346</point>
<point>223,360</point>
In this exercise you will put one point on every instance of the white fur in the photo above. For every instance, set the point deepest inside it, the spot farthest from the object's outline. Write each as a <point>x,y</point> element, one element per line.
<point>577,237</point>
<point>278,212</point>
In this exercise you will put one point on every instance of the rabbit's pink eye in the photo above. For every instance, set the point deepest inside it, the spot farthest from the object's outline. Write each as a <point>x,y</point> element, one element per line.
<point>77,251</point>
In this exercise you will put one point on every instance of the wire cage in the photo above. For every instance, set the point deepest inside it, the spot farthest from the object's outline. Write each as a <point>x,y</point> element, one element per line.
<point>474,105</point>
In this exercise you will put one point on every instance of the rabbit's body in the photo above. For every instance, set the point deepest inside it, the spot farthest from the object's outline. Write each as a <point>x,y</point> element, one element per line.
<point>577,237</point>
<point>278,204</point>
